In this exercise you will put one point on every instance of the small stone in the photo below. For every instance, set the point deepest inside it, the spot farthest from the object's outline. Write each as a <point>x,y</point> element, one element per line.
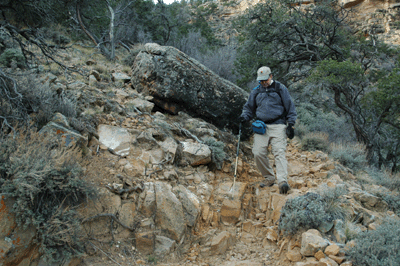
<point>332,250</point>
<point>319,255</point>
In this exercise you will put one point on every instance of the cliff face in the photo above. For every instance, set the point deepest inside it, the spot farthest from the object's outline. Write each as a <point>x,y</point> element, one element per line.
<point>380,18</point>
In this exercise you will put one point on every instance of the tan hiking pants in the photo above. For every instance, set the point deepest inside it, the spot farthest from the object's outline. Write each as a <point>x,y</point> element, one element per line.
<point>276,136</point>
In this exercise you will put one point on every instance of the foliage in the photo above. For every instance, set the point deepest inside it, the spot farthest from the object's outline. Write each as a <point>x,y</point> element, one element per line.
<point>378,247</point>
<point>351,155</point>
<point>315,141</point>
<point>289,39</point>
<point>23,22</point>
<point>393,201</point>
<point>44,177</point>
<point>28,101</point>
<point>314,119</point>
<point>219,59</point>
<point>310,211</point>
<point>12,109</point>
<point>374,125</point>
<point>41,99</point>
<point>12,56</point>
<point>217,151</point>
<point>351,230</point>
<point>382,109</point>
<point>384,178</point>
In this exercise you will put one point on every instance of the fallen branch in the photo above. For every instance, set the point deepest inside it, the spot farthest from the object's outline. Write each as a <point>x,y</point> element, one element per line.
<point>187,133</point>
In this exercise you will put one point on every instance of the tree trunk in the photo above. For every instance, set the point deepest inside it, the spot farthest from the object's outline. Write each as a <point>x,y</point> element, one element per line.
<point>100,45</point>
<point>112,42</point>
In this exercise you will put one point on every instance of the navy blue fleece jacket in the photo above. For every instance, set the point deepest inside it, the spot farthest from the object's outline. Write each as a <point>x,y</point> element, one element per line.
<point>266,104</point>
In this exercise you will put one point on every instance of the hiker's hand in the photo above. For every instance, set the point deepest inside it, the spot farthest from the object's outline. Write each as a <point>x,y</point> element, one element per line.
<point>290,131</point>
<point>242,119</point>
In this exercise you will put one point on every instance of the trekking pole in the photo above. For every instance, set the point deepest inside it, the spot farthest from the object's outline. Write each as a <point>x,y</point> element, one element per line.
<point>237,156</point>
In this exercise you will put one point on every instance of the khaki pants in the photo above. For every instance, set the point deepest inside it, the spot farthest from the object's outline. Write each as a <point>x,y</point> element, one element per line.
<point>276,136</point>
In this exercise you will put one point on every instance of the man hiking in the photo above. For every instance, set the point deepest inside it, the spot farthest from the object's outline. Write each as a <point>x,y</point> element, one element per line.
<point>271,103</point>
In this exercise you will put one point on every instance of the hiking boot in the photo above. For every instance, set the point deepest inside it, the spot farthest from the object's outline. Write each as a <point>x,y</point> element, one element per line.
<point>268,182</point>
<point>283,187</point>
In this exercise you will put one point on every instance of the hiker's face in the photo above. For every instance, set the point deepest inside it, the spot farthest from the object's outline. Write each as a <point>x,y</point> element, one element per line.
<point>266,83</point>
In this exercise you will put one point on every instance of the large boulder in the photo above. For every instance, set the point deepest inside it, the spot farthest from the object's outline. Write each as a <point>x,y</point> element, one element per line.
<point>178,82</point>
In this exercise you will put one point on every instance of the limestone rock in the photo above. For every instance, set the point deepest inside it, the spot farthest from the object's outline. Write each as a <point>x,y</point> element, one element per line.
<point>190,204</point>
<point>294,255</point>
<point>319,255</point>
<point>230,211</point>
<point>169,213</point>
<point>368,200</point>
<point>68,136</point>
<point>118,76</point>
<point>196,153</point>
<point>164,246</point>
<point>170,146</point>
<point>116,138</point>
<point>311,242</point>
<point>147,203</point>
<point>142,105</point>
<point>328,262</point>
<point>179,82</point>
<point>332,250</point>
<point>145,242</point>
<point>221,242</point>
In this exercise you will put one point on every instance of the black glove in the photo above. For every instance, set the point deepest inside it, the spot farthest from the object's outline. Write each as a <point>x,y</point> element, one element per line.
<point>242,119</point>
<point>290,131</point>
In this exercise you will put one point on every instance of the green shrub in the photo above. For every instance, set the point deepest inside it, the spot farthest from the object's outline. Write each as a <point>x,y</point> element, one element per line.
<point>384,178</point>
<point>315,141</point>
<point>46,181</point>
<point>42,100</point>
<point>60,39</point>
<point>351,155</point>
<point>393,201</point>
<point>314,119</point>
<point>217,151</point>
<point>12,55</point>
<point>352,230</point>
<point>310,211</point>
<point>378,247</point>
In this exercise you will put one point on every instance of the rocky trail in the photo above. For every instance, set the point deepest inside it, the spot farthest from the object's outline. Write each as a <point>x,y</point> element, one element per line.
<point>165,181</point>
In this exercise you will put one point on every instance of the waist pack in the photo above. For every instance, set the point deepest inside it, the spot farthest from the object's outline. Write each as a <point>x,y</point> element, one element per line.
<point>259,127</point>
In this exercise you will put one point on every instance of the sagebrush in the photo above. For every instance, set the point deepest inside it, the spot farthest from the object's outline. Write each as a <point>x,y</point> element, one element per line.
<point>378,247</point>
<point>46,181</point>
<point>351,155</point>
<point>217,151</point>
<point>315,141</point>
<point>310,211</point>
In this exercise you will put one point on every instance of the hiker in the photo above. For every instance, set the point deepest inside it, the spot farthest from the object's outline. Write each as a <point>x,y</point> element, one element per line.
<point>270,102</point>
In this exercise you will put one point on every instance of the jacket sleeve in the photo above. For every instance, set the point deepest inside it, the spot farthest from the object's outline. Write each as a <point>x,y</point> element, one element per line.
<point>249,108</point>
<point>289,105</point>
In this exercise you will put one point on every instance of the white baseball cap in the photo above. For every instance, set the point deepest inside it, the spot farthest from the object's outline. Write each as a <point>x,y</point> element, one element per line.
<point>263,73</point>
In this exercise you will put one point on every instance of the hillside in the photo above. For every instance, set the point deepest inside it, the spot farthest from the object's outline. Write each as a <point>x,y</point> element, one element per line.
<point>165,187</point>
<point>378,18</point>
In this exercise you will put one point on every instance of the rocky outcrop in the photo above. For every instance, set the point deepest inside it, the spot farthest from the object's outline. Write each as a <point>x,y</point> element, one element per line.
<point>178,82</point>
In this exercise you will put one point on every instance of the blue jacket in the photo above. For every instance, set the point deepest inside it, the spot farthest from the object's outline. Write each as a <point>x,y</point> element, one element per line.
<point>266,104</point>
